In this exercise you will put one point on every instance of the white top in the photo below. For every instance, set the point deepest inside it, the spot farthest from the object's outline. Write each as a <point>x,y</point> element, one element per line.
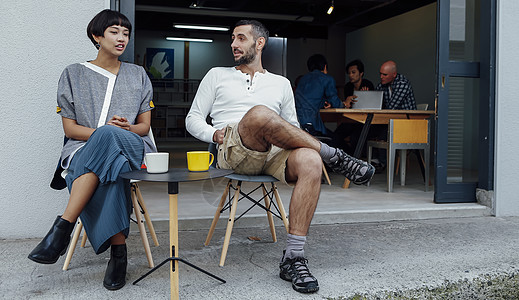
<point>226,94</point>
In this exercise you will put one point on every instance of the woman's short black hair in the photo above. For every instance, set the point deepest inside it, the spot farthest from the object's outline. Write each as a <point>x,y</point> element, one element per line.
<point>105,19</point>
<point>316,62</point>
<point>358,63</point>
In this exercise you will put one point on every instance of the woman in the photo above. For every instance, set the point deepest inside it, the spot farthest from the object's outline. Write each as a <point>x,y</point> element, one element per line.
<point>100,147</point>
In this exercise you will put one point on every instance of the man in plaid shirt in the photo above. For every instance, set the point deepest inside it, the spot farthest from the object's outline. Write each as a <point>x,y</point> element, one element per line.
<point>398,93</point>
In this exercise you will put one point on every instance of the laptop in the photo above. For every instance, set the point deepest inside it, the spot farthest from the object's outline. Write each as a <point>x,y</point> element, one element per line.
<point>368,100</point>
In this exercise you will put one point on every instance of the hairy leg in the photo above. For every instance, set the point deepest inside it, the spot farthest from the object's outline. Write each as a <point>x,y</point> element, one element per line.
<point>82,190</point>
<point>262,127</point>
<point>304,166</point>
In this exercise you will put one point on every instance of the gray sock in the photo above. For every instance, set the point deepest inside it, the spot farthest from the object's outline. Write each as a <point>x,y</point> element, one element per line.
<point>327,152</point>
<point>295,245</point>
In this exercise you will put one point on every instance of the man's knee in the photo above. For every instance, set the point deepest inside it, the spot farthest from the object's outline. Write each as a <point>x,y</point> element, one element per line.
<point>307,162</point>
<point>260,114</point>
<point>260,110</point>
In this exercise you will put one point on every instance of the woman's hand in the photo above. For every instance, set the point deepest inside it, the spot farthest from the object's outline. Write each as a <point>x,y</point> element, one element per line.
<point>327,104</point>
<point>120,122</point>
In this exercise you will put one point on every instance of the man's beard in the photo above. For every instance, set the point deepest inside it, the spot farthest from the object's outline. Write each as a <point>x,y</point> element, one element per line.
<point>247,58</point>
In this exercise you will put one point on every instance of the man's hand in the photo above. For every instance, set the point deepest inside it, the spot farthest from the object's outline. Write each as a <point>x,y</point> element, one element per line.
<point>327,104</point>
<point>120,122</point>
<point>350,100</point>
<point>364,88</point>
<point>218,136</point>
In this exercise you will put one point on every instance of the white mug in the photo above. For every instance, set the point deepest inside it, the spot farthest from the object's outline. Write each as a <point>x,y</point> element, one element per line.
<point>157,162</point>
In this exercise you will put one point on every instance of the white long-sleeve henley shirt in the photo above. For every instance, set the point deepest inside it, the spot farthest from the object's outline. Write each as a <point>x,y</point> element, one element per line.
<point>225,94</point>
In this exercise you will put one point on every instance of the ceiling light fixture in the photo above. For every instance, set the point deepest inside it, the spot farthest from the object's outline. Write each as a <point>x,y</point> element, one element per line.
<point>331,8</point>
<point>201,27</point>
<point>197,6</point>
<point>223,13</point>
<point>189,39</point>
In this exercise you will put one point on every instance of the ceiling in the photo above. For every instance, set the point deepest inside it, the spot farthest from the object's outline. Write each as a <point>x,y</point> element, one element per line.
<point>285,18</point>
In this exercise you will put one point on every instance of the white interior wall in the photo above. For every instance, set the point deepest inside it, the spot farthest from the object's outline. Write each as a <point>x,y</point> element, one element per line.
<point>507,105</point>
<point>39,39</point>
<point>408,39</point>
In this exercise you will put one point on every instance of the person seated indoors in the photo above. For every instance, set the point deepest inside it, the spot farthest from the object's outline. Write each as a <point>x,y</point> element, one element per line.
<point>101,145</point>
<point>351,131</point>
<point>398,94</point>
<point>355,71</point>
<point>316,90</point>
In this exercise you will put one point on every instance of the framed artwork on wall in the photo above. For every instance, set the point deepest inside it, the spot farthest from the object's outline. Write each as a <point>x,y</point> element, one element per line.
<point>160,63</point>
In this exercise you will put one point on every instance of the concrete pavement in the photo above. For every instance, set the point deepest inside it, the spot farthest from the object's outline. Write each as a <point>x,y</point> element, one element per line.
<point>347,259</point>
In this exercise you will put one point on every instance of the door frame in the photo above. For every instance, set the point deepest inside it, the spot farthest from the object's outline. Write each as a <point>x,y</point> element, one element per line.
<point>484,70</point>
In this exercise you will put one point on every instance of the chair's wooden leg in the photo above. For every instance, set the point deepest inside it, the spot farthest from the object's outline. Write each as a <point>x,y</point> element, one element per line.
<point>217,214</point>
<point>280,206</point>
<point>142,230</point>
<point>72,245</point>
<point>326,175</point>
<point>146,215</point>
<point>346,183</point>
<point>230,224</point>
<point>269,214</point>
<point>83,239</point>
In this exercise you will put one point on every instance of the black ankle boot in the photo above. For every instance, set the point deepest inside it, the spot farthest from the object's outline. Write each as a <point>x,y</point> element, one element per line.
<point>115,276</point>
<point>54,244</point>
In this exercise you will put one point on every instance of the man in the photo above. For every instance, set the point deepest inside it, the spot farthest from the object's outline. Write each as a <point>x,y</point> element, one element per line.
<point>357,82</point>
<point>265,138</point>
<point>314,91</point>
<point>398,93</point>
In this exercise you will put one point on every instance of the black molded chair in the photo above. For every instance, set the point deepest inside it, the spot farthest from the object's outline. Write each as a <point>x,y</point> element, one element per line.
<point>234,193</point>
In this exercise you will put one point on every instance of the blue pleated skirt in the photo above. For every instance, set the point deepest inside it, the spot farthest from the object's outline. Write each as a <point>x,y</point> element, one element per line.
<point>108,152</point>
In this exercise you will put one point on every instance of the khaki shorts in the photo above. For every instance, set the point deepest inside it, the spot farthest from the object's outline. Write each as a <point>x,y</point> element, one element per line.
<point>233,155</point>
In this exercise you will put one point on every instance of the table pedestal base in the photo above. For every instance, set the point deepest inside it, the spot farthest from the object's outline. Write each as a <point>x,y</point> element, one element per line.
<point>173,241</point>
<point>172,259</point>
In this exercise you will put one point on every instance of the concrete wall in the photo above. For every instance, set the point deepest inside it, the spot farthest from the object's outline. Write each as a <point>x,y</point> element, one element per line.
<point>507,106</point>
<point>409,40</point>
<point>39,38</point>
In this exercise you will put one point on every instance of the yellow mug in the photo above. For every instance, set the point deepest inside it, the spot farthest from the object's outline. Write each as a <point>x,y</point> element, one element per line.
<point>199,160</point>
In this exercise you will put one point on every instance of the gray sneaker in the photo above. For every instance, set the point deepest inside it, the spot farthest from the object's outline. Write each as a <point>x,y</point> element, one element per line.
<point>296,270</point>
<point>356,170</point>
